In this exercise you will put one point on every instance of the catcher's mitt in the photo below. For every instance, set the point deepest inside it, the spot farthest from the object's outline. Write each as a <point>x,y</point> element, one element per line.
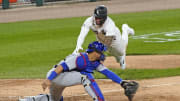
<point>130,88</point>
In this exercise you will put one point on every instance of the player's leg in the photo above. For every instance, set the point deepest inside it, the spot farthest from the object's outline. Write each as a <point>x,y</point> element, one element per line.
<point>118,48</point>
<point>129,30</point>
<point>126,31</point>
<point>67,79</point>
<point>87,85</point>
<point>122,61</point>
<point>119,45</point>
<point>64,79</point>
<point>56,92</point>
<point>55,95</point>
<point>92,88</point>
<point>40,97</point>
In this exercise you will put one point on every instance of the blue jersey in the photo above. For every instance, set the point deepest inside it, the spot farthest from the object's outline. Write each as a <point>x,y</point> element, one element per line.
<point>82,64</point>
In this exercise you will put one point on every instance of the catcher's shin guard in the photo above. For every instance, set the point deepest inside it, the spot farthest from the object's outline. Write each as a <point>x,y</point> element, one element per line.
<point>92,88</point>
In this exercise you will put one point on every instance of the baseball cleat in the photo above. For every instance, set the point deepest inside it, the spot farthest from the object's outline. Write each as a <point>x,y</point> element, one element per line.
<point>24,100</point>
<point>129,30</point>
<point>122,64</point>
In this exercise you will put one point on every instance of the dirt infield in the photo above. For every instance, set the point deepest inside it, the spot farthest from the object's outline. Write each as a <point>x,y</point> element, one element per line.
<point>162,89</point>
<point>147,62</point>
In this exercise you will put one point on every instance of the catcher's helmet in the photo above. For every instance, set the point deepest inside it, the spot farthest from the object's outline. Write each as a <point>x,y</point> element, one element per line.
<point>98,47</point>
<point>101,13</point>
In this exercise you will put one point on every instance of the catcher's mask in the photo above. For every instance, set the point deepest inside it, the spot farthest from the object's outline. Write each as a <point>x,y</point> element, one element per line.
<point>98,47</point>
<point>100,14</point>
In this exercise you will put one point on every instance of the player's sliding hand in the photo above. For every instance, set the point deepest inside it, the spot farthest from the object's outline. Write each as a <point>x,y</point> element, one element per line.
<point>76,51</point>
<point>46,84</point>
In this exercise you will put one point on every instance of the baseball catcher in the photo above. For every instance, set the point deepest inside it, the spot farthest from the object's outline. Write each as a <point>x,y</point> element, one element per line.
<point>78,69</point>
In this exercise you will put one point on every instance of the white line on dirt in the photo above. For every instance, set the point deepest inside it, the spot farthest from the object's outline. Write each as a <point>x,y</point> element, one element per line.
<point>118,90</point>
<point>146,86</point>
<point>157,85</point>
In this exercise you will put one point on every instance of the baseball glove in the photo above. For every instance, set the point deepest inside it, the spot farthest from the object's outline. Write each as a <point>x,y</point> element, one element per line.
<point>130,88</point>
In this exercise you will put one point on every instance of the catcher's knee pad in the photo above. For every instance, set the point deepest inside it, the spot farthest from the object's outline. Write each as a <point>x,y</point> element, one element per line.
<point>92,88</point>
<point>85,81</point>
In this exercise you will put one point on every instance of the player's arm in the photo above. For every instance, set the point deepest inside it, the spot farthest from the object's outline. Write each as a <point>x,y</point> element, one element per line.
<point>53,74</point>
<point>109,74</point>
<point>83,33</point>
<point>56,72</point>
<point>58,69</point>
<point>66,65</point>
<point>130,87</point>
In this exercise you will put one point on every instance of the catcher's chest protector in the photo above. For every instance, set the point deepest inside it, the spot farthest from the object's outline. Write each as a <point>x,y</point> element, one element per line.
<point>84,65</point>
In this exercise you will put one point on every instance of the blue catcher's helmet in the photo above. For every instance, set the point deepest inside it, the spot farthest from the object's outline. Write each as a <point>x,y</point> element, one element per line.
<point>98,47</point>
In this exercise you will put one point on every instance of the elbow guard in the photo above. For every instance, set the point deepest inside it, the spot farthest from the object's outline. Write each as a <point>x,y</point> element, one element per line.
<point>65,67</point>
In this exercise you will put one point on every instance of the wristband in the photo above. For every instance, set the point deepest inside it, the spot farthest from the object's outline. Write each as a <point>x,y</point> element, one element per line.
<point>52,75</point>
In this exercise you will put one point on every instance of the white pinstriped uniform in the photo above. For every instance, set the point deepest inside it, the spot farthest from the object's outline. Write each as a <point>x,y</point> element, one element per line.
<point>118,44</point>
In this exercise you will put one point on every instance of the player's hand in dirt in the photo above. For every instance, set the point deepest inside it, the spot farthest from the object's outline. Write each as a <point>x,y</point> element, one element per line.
<point>46,84</point>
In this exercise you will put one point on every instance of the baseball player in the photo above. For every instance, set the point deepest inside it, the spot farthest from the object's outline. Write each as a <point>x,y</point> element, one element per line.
<point>78,69</point>
<point>107,33</point>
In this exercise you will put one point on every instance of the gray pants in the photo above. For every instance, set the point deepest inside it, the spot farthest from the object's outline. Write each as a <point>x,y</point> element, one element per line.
<point>63,80</point>
<point>67,79</point>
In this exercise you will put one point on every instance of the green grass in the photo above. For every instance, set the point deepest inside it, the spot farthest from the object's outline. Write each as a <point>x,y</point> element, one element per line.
<point>151,22</point>
<point>138,74</point>
<point>29,49</point>
<point>128,74</point>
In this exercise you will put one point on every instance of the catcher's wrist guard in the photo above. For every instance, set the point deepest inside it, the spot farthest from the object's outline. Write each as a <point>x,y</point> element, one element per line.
<point>52,75</point>
<point>130,88</point>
